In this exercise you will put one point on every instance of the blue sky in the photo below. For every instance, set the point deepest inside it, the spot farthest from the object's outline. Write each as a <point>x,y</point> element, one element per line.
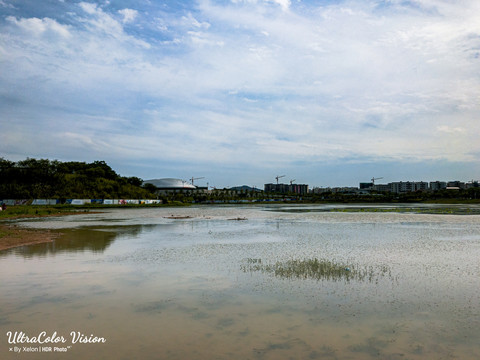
<point>329,93</point>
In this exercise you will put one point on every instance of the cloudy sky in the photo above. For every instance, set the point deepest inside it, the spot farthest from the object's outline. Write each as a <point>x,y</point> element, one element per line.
<point>238,91</point>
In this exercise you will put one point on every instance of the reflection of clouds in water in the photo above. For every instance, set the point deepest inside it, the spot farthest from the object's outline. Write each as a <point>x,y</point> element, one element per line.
<point>253,287</point>
<point>75,240</point>
<point>93,239</point>
<point>153,307</point>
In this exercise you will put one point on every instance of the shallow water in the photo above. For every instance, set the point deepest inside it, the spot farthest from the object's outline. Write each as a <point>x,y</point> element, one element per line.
<point>397,286</point>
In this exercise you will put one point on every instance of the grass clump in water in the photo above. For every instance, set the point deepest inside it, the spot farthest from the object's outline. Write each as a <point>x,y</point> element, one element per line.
<point>313,269</point>
<point>317,269</point>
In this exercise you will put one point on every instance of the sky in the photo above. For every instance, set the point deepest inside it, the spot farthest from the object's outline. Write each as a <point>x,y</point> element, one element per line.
<point>327,93</point>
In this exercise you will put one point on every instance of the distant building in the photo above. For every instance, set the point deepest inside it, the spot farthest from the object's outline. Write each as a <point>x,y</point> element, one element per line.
<point>472,184</point>
<point>411,186</point>
<point>300,189</point>
<point>276,188</point>
<point>453,184</point>
<point>421,186</point>
<point>396,187</point>
<point>382,187</point>
<point>169,185</point>
<point>344,189</point>
<point>364,186</point>
<point>320,190</point>
<point>437,185</point>
<point>408,186</point>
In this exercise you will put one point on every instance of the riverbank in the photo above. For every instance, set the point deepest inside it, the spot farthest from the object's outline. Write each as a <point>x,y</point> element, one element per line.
<point>33,211</point>
<point>12,236</point>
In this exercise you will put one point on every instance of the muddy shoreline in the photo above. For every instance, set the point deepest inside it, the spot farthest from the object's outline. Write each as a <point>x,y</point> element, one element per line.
<point>12,235</point>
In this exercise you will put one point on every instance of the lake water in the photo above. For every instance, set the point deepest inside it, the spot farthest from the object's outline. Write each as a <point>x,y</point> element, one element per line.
<point>244,282</point>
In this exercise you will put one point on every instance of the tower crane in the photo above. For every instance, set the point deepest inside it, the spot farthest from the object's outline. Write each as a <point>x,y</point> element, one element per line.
<point>279,177</point>
<point>194,178</point>
<point>374,178</point>
<point>291,181</point>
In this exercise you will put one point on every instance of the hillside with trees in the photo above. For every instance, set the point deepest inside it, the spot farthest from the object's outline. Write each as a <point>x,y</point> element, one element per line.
<point>47,179</point>
<point>41,179</point>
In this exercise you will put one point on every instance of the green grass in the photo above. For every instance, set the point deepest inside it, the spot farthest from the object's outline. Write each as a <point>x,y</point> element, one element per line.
<point>4,233</point>
<point>45,210</point>
<point>415,210</point>
<point>317,269</point>
<point>34,210</point>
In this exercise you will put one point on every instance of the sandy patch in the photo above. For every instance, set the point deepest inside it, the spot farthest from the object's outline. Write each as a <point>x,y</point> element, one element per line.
<point>12,236</point>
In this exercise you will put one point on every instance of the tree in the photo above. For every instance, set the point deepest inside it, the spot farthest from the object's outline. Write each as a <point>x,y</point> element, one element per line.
<point>32,178</point>
<point>135,181</point>
<point>150,188</point>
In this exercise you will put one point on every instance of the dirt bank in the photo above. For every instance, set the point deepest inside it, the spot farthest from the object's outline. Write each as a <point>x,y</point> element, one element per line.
<point>13,236</point>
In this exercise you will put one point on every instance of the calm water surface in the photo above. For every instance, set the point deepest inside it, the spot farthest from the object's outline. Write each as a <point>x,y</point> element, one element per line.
<point>238,283</point>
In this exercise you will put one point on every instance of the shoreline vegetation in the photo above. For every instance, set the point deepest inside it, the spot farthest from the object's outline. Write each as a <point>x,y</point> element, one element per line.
<point>45,179</point>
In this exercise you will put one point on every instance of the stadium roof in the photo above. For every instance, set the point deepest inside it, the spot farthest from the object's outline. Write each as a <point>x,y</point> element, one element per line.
<point>169,183</point>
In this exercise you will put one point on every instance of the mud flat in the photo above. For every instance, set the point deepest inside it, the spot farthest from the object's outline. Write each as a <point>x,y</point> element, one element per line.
<point>12,236</point>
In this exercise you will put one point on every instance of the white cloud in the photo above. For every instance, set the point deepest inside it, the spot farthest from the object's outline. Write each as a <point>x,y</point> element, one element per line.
<point>6,5</point>
<point>129,15</point>
<point>244,80</point>
<point>89,8</point>
<point>38,27</point>
<point>191,22</point>
<point>450,130</point>
<point>284,4</point>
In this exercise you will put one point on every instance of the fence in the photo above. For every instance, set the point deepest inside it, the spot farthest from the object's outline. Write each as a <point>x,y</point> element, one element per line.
<point>14,202</point>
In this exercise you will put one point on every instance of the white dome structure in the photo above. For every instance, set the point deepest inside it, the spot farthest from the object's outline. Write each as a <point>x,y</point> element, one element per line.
<point>170,184</point>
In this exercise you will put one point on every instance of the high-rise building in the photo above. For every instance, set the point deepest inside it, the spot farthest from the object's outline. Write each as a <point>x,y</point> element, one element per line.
<point>437,185</point>
<point>300,189</point>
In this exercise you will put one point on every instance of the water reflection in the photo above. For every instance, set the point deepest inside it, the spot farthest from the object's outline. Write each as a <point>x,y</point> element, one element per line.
<point>79,240</point>
<point>278,286</point>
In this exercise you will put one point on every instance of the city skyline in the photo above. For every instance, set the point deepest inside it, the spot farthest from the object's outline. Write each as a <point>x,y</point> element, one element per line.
<point>334,92</point>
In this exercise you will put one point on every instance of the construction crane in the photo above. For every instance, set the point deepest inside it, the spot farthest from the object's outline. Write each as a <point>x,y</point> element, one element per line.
<point>279,177</point>
<point>374,178</point>
<point>291,181</point>
<point>193,179</point>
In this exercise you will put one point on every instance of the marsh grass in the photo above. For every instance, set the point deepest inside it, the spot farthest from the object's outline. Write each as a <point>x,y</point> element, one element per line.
<point>25,211</point>
<point>414,210</point>
<point>318,269</point>
<point>4,232</point>
<point>444,210</point>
